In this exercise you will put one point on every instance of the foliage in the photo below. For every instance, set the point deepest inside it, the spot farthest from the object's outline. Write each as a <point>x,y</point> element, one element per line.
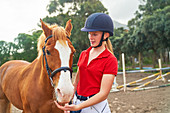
<point>24,47</point>
<point>150,27</point>
<point>148,36</point>
<point>78,12</point>
<point>4,51</point>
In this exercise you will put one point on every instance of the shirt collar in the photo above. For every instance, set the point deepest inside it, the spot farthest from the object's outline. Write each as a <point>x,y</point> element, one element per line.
<point>104,54</point>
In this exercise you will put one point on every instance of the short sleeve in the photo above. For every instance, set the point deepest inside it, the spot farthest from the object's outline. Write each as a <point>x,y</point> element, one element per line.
<point>111,66</point>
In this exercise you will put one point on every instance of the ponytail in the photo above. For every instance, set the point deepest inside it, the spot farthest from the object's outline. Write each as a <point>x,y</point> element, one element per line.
<point>109,46</point>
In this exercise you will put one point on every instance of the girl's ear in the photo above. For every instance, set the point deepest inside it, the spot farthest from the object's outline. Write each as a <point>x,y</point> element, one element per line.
<point>68,27</point>
<point>46,29</point>
<point>106,35</point>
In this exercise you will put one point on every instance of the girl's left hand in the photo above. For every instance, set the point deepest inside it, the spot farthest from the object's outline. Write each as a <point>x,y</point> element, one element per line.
<point>66,111</point>
<point>67,107</point>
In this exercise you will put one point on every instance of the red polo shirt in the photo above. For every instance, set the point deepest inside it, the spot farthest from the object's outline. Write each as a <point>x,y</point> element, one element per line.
<point>91,75</point>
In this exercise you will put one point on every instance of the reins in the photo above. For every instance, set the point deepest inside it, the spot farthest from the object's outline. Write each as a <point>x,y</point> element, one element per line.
<point>50,73</point>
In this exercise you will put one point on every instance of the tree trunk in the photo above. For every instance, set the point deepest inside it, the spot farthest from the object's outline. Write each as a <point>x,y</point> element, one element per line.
<point>133,62</point>
<point>162,57</point>
<point>120,59</point>
<point>167,57</point>
<point>140,60</point>
<point>154,59</point>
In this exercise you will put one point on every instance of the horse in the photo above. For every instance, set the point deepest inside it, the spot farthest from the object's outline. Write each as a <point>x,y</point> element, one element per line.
<point>33,87</point>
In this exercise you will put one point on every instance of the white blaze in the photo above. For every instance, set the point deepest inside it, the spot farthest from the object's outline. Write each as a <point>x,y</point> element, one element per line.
<point>64,84</point>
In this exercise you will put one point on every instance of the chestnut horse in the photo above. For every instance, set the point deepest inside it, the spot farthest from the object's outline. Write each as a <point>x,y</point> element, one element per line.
<point>33,87</point>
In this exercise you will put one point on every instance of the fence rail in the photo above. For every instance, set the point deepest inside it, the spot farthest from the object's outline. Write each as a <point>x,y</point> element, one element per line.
<point>147,70</point>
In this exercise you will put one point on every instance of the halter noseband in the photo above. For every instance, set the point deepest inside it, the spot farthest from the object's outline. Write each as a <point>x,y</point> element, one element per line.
<point>56,70</point>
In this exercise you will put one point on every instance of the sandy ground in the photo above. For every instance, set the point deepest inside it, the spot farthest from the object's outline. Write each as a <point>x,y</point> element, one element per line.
<point>145,101</point>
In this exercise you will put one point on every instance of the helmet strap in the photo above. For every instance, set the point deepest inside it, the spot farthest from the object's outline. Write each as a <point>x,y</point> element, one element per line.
<point>101,41</point>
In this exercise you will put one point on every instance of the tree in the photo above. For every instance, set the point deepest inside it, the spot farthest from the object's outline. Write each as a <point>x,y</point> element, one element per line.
<point>78,12</point>
<point>151,6</point>
<point>117,42</point>
<point>27,47</point>
<point>149,27</point>
<point>4,52</point>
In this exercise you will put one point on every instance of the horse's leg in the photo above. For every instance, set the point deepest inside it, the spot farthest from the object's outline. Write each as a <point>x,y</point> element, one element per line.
<point>5,106</point>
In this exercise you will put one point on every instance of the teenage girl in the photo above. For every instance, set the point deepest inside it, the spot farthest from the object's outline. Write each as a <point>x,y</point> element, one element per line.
<point>97,67</point>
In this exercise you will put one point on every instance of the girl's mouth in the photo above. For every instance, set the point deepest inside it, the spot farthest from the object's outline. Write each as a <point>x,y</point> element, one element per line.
<point>92,42</point>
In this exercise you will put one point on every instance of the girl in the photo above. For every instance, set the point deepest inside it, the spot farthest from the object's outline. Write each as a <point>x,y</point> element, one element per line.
<point>97,67</point>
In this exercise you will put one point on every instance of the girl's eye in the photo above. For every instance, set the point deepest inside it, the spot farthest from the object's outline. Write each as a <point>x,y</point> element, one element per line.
<point>94,34</point>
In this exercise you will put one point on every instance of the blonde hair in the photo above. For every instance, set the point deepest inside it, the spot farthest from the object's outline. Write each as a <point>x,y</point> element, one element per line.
<point>109,46</point>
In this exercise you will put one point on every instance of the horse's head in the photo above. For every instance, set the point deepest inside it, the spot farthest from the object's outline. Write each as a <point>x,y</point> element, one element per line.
<point>58,58</point>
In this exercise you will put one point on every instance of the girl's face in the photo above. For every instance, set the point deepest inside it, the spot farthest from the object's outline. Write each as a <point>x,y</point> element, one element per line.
<point>95,38</point>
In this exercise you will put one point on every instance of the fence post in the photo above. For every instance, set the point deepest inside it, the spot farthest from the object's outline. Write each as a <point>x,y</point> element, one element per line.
<point>160,67</point>
<point>124,76</point>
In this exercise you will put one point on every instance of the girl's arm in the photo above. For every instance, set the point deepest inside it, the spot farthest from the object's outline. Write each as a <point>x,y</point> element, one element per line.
<point>106,85</point>
<point>76,80</point>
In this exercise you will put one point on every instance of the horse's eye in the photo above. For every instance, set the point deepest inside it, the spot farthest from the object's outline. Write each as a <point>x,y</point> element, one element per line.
<point>48,53</point>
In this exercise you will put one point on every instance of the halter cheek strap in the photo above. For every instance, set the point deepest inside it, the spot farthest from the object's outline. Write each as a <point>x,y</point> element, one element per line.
<point>50,73</point>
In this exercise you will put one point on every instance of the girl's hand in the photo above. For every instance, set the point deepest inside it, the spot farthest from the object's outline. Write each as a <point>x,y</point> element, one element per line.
<point>66,111</point>
<point>67,107</point>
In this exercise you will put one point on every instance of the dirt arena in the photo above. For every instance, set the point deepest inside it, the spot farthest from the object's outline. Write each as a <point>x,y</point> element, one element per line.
<point>145,101</point>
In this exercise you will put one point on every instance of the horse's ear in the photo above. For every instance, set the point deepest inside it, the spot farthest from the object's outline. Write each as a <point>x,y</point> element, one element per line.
<point>68,27</point>
<point>46,29</point>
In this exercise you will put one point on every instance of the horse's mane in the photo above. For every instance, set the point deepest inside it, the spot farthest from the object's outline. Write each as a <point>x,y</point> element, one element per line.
<point>58,33</point>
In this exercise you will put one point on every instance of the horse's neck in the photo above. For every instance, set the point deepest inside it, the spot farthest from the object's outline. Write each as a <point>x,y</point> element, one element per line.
<point>40,73</point>
<point>43,78</point>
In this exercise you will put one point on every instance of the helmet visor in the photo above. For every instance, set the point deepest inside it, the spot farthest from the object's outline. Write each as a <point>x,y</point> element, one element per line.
<point>89,30</point>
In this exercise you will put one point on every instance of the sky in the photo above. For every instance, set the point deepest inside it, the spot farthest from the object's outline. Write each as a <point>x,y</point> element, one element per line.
<point>22,16</point>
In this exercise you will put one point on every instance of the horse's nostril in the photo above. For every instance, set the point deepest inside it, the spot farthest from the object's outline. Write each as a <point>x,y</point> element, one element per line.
<point>59,92</point>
